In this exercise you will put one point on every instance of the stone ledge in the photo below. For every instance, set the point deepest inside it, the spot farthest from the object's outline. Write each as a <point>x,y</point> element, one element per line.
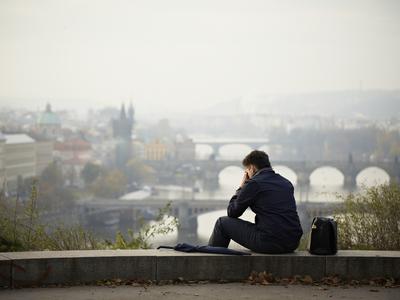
<point>68,267</point>
<point>5,271</point>
<point>76,266</point>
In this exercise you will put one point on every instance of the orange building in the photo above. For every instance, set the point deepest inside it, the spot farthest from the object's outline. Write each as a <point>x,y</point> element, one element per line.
<point>156,150</point>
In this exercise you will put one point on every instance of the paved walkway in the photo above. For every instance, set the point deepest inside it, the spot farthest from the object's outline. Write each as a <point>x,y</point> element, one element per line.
<point>204,291</point>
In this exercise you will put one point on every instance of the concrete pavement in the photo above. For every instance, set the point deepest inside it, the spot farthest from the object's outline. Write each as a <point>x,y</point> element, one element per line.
<point>203,291</point>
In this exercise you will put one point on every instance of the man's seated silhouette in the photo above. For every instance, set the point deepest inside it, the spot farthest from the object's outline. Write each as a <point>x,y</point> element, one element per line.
<point>270,196</point>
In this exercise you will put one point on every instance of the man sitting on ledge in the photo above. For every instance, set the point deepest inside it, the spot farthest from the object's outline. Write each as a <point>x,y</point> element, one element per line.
<point>270,196</point>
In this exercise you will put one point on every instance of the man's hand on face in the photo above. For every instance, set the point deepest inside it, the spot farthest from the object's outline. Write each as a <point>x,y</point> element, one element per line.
<point>245,178</point>
<point>248,173</point>
<point>251,171</point>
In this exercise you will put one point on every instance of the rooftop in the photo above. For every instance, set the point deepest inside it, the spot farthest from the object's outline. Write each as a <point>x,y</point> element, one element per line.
<point>18,138</point>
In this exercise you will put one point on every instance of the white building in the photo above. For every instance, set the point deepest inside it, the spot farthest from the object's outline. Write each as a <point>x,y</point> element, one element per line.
<point>22,157</point>
<point>19,158</point>
<point>44,155</point>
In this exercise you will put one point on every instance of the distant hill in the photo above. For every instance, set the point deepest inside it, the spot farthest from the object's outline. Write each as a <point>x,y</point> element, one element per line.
<point>375,104</point>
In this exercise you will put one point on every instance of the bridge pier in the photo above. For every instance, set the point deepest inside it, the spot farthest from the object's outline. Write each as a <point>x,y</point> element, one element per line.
<point>350,174</point>
<point>211,174</point>
<point>215,148</point>
<point>187,231</point>
<point>350,182</point>
<point>303,184</point>
<point>211,180</point>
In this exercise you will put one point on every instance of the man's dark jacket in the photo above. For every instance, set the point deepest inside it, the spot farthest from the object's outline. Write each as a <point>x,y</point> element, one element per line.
<point>271,197</point>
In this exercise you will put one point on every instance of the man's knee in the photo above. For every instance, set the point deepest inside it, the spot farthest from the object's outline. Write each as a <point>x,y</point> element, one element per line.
<point>223,220</point>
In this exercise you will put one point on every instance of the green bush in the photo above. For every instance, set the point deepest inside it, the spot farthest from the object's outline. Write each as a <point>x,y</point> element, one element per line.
<point>370,219</point>
<point>162,225</point>
<point>22,230</point>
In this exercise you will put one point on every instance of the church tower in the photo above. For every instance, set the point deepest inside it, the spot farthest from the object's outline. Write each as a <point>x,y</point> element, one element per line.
<point>122,132</point>
<point>48,123</point>
<point>122,127</point>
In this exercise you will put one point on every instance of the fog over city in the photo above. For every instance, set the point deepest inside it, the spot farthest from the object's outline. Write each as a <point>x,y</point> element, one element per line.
<point>185,56</point>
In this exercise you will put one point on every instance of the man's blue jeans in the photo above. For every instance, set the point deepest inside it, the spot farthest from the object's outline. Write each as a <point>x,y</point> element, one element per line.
<point>246,234</point>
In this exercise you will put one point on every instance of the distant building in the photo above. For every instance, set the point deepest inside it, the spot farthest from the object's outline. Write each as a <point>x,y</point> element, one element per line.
<point>72,169</point>
<point>185,148</point>
<point>138,149</point>
<point>74,147</point>
<point>44,154</point>
<point>74,154</point>
<point>48,123</point>
<point>122,133</point>
<point>44,151</point>
<point>18,158</point>
<point>123,126</point>
<point>156,150</point>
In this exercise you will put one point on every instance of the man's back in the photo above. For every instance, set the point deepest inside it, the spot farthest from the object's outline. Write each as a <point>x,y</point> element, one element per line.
<point>271,197</point>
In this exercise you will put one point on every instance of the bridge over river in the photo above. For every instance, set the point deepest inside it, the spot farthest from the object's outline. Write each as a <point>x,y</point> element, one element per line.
<point>186,210</point>
<point>303,169</point>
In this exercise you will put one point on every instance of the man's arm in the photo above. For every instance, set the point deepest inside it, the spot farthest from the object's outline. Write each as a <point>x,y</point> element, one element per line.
<point>243,198</point>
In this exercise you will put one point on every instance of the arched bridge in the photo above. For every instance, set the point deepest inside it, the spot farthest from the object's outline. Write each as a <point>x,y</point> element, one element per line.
<point>303,169</point>
<point>216,144</point>
<point>186,210</point>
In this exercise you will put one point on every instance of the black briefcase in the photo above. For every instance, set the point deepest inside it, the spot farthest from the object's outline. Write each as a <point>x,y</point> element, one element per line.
<point>322,238</point>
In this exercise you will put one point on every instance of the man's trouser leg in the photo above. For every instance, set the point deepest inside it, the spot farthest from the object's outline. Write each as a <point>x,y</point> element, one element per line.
<point>244,233</point>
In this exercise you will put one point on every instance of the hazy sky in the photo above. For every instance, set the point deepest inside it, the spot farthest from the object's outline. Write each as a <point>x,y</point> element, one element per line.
<point>185,55</point>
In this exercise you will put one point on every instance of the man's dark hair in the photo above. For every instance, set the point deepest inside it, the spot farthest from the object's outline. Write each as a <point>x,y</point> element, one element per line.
<point>258,158</point>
